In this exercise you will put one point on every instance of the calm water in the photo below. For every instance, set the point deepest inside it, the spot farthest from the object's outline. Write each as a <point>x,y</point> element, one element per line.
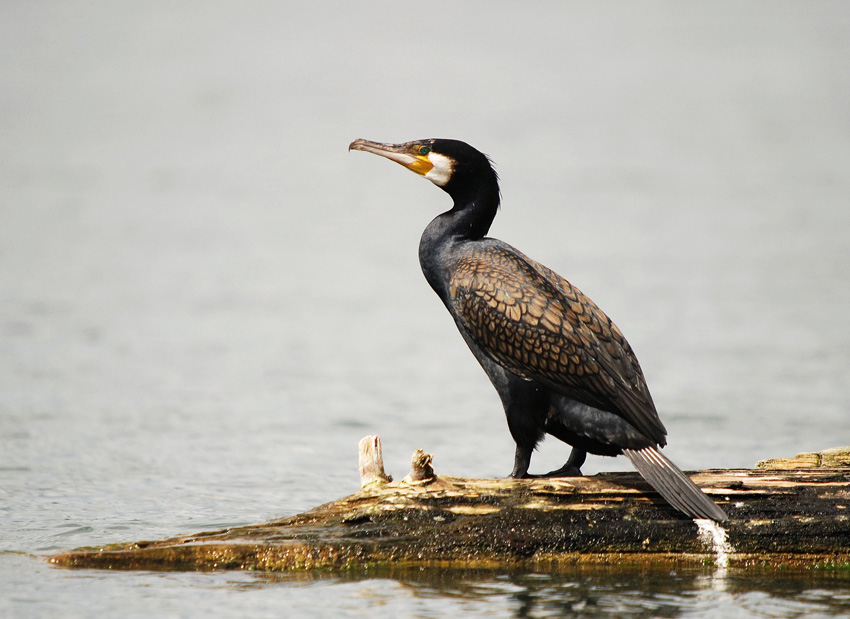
<point>205,301</point>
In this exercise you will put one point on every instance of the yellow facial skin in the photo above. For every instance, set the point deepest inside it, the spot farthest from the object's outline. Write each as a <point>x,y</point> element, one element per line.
<point>412,155</point>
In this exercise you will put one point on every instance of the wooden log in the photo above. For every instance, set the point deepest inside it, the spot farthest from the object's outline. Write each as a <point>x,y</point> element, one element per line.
<point>797,517</point>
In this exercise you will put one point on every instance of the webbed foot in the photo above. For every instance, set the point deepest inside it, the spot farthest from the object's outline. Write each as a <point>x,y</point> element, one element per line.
<point>572,467</point>
<point>564,471</point>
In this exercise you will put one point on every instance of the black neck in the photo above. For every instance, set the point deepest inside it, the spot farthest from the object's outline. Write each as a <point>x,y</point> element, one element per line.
<point>475,207</point>
<point>468,220</point>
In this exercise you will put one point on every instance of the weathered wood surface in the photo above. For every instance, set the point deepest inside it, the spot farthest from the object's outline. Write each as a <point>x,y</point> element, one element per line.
<point>795,516</point>
<point>837,457</point>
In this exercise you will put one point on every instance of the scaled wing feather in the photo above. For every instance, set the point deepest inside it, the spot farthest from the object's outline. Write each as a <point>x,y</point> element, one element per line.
<point>537,325</point>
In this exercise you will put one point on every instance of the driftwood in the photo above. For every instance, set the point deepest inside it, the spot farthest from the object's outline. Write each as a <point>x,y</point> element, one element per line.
<point>790,512</point>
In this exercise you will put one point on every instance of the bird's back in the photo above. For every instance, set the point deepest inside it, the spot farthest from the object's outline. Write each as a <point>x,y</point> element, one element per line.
<point>537,325</point>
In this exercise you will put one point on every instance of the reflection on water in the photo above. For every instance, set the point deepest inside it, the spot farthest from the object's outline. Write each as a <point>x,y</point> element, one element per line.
<point>595,591</point>
<point>616,591</point>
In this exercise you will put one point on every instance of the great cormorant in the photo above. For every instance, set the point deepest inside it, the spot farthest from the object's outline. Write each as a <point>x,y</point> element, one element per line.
<point>559,364</point>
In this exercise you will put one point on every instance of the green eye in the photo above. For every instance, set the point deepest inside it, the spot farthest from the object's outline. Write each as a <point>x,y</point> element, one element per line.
<point>424,150</point>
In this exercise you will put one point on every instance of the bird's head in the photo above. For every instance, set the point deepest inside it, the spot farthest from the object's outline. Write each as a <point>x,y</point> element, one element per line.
<point>454,166</point>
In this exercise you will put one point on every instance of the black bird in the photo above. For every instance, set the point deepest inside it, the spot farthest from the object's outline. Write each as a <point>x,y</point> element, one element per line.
<point>559,364</point>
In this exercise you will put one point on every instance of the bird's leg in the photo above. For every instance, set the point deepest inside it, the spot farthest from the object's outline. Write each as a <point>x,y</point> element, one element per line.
<point>522,460</point>
<point>572,467</point>
<point>526,406</point>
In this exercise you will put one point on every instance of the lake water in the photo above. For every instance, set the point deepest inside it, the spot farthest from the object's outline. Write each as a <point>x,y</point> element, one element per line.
<point>206,301</point>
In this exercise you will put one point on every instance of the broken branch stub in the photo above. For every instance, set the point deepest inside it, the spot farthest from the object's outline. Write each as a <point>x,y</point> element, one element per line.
<point>371,462</point>
<point>420,467</point>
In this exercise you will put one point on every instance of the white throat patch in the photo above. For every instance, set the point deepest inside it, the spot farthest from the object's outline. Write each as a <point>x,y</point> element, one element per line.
<point>442,170</point>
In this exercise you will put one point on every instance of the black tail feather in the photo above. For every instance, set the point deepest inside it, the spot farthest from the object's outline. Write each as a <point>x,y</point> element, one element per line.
<point>673,484</point>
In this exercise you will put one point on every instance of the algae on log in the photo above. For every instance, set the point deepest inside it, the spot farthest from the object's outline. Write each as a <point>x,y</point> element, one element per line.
<point>793,517</point>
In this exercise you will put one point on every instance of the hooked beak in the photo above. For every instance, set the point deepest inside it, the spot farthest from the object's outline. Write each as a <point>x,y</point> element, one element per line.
<point>404,154</point>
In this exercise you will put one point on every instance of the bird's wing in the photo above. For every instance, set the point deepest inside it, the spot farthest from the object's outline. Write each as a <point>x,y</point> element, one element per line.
<point>536,324</point>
